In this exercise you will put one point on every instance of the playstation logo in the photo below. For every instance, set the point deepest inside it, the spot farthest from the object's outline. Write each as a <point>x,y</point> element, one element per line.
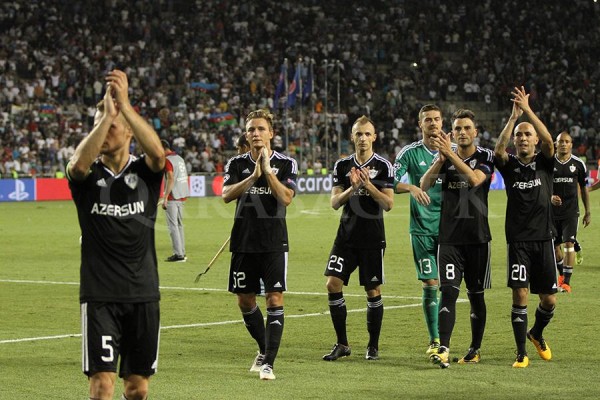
<point>20,194</point>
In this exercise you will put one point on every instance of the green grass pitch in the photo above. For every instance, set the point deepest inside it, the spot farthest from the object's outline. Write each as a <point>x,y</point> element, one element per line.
<point>206,351</point>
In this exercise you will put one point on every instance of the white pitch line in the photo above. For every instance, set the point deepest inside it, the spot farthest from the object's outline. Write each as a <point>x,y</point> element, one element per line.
<point>203,289</point>
<point>199,325</point>
<point>204,324</point>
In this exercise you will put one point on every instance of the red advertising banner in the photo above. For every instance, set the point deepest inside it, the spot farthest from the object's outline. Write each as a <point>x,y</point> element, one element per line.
<point>52,189</point>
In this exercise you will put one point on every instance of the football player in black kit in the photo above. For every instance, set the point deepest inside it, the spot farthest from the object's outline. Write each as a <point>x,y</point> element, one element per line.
<point>464,241</point>
<point>528,226</point>
<point>363,184</point>
<point>570,176</point>
<point>116,196</point>
<point>263,182</point>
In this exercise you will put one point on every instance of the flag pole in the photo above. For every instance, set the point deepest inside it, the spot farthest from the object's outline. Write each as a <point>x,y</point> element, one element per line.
<point>299,92</point>
<point>326,116</point>
<point>339,142</point>
<point>285,105</point>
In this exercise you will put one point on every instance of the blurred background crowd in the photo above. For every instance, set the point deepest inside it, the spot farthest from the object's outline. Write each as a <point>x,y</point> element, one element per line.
<point>196,68</point>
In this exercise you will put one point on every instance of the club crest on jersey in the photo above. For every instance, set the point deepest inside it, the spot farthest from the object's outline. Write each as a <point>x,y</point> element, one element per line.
<point>472,163</point>
<point>131,180</point>
<point>275,170</point>
<point>373,173</point>
<point>572,168</point>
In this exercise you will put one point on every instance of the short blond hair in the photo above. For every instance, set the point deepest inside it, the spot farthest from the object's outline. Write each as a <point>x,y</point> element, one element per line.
<point>261,113</point>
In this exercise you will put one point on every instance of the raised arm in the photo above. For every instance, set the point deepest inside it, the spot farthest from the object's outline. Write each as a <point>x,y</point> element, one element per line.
<point>428,180</point>
<point>144,134</point>
<point>233,192</point>
<point>522,100</point>
<point>504,138</point>
<point>88,149</point>
<point>475,177</point>
<point>282,193</point>
<point>383,197</point>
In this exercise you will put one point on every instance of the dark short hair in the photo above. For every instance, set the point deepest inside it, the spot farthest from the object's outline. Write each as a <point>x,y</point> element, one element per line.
<point>429,107</point>
<point>242,141</point>
<point>463,113</point>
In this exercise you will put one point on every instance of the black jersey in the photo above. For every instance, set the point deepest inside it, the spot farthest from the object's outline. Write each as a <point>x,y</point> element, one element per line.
<point>528,189</point>
<point>116,216</point>
<point>361,223</point>
<point>464,215</point>
<point>259,225</point>
<point>568,176</point>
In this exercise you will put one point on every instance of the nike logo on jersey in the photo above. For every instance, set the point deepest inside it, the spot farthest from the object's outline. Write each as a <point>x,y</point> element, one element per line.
<point>101,182</point>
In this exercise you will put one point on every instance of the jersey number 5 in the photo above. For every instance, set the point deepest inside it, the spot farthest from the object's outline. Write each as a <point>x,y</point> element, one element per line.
<point>107,346</point>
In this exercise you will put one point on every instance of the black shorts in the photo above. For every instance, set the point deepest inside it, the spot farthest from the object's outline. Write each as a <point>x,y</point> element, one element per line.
<point>130,331</point>
<point>247,269</point>
<point>471,262</point>
<point>533,265</point>
<point>344,260</point>
<point>566,230</point>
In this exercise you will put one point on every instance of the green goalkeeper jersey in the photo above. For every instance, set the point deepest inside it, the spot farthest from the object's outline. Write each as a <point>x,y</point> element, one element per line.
<point>414,160</point>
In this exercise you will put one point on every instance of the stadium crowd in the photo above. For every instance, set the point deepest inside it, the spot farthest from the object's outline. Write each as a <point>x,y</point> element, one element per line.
<point>196,68</point>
